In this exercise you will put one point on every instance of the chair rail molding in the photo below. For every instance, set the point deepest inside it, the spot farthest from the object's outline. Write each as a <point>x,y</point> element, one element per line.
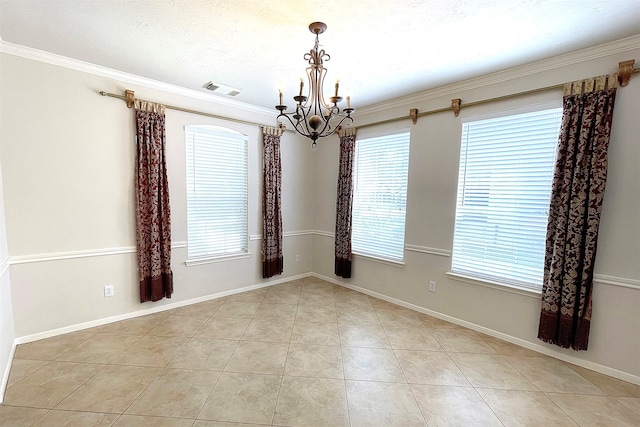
<point>87,253</point>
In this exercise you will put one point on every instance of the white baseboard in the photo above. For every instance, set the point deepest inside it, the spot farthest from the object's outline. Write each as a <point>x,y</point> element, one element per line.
<point>104,321</point>
<point>7,371</point>
<point>634,379</point>
<point>111,319</point>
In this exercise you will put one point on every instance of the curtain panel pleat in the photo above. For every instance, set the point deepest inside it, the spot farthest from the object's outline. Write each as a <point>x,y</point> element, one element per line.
<point>574,214</point>
<point>344,203</point>
<point>153,215</point>
<point>272,258</point>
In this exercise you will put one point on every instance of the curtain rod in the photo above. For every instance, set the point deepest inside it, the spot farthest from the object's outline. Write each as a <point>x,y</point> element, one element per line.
<point>625,70</point>
<point>129,98</point>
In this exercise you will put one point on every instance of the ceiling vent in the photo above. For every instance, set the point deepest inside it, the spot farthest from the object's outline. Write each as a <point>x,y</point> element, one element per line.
<point>221,89</point>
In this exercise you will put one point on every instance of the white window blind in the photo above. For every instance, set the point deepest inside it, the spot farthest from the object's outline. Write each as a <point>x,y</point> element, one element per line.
<point>504,187</point>
<point>381,166</point>
<point>216,192</point>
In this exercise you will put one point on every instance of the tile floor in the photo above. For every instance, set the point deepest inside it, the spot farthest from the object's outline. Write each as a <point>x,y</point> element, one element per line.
<point>303,353</point>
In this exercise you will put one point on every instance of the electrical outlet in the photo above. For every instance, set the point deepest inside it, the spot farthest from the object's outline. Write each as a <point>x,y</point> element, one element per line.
<point>297,258</point>
<point>108,291</point>
<point>432,286</point>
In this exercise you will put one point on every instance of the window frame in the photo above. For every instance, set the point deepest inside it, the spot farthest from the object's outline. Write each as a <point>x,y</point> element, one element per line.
<point>505,283</point>
<point>216,133</point>
<point>357,250</point>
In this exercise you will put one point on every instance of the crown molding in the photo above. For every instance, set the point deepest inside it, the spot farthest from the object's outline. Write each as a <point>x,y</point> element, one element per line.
<point>110,73</point>
<point>537,67</point>
<point>526,70</point>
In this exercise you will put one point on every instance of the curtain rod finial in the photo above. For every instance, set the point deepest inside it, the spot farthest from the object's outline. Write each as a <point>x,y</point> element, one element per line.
<point>456,104</point>
<point>625,69</point>
<point>129,97</point>
<point>413,113</point>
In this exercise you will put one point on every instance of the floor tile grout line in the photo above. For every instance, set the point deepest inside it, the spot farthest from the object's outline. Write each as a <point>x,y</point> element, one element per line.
<point>415,399</point>
<point>204,404</point>
<point>275,407</point>
<point>488,405</point>
<point>161,369</point>
<point>78,387</point>
<point>521,373</point>
<point>76,346</point>
<point>546,395</point>
<point>344,376</point>
<point>48,362</point>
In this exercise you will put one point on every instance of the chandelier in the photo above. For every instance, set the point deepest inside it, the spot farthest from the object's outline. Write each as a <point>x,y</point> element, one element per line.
<point>313,116</point>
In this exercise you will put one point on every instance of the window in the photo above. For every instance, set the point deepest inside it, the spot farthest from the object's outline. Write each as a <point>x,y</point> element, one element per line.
<point>380,196</point>
<point>504,187</point>
<point>216,192</point>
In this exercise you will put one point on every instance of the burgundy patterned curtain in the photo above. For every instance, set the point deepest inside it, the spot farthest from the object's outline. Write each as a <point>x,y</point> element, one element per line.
<point>153,216</point>
<point>344,203</point>
<point>272,259</point>
<point>574,214</point>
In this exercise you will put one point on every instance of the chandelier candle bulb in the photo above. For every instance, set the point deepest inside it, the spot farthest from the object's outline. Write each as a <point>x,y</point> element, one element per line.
<point>301,86</point>
<point>280,97</point>
<point>348,102</point>
<point>337,85</point>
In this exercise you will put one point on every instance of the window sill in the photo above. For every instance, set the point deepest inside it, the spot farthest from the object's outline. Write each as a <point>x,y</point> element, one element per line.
<point>532,293</point>
<point>399,264</point>
<point>212,259</point>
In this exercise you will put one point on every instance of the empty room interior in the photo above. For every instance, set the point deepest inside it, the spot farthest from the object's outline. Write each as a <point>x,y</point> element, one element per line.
<point>299,213</point>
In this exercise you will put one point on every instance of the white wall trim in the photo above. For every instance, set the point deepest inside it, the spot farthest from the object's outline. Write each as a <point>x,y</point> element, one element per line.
<point>601,279</point>
<point>4,266</point>
<point>7,371</point>
<point>297,233</point>
<point>622,282</point>
<point>98,70</point>
<point>428,250</point>
<point>57,256</point>
<point>324,234</point>
<point>294,233</point>
<point>549,64</point>
<point>87,253</point>
<point>517,341</point>
<point>151,310</point>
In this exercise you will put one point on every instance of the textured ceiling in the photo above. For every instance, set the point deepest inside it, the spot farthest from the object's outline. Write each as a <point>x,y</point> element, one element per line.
<point>380,49</point>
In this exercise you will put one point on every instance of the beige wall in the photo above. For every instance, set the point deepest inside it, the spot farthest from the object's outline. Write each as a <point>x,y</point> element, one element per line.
<point>68,161</point>
<point>433,171</point>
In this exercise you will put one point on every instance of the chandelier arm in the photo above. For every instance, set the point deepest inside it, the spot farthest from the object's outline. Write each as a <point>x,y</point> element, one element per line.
<point>301,125</point>
<point>286,116</point>
<point>336,127</point>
